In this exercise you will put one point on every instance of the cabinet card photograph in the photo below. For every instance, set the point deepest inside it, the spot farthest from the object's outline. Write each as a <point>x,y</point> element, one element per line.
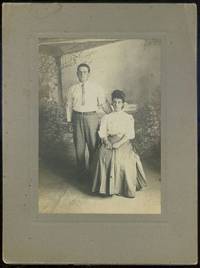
<point>100,134</point>
<point>99,126</point>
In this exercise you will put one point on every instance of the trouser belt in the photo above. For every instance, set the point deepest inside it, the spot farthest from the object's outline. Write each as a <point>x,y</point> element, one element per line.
<point>85,113</point>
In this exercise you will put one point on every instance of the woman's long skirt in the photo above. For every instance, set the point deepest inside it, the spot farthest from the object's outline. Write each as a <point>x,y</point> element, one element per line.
<point>117,171</point>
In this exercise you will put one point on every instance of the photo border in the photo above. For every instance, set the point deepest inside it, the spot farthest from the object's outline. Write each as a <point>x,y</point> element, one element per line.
<point>103,217</point>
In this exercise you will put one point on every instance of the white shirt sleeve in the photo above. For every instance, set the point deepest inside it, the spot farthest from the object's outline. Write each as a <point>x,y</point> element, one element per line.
<point>130,132</point>
<point>103,127</point>
<point>69,104</point>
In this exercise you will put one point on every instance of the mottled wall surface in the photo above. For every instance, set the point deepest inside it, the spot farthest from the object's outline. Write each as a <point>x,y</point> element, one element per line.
<point>48,77</point>
<point>131,65</point>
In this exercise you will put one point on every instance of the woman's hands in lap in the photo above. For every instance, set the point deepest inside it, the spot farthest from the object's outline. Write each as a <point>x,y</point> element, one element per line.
<point>106,142</point>
<point>115,145</point>
<point>109,145</point>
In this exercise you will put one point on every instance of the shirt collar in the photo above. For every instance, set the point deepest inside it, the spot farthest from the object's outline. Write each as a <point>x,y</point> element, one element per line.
<point>85,84</point>
<point>119,112</point>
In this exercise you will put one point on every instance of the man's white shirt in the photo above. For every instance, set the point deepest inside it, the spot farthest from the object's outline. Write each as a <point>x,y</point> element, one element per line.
<point>94,97</point>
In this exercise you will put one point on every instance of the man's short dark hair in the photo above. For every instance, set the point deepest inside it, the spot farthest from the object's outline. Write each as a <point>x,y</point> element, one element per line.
<point>118,94</point>
<point>83,65</point>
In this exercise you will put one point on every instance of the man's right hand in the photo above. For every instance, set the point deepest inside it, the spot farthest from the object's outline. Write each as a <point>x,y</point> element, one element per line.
<point>70,127</point>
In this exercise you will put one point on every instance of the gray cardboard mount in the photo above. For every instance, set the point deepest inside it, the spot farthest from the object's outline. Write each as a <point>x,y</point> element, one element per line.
<point>168,238</point>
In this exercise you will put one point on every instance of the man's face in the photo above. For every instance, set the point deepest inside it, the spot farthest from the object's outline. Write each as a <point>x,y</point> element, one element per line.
<point>83,74</point>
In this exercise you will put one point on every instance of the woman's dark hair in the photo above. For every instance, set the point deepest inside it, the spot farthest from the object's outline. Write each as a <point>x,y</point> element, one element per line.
<point>83,65</point>
<point>118,94</point>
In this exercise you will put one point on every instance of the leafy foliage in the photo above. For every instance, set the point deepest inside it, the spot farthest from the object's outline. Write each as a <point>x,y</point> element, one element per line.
<point>48,77</point>
<point>147,124</point>
<point>52,128</point>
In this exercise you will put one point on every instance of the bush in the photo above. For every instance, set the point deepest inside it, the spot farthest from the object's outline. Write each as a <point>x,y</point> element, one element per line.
<point>52,129</point>
<point>147,125</point>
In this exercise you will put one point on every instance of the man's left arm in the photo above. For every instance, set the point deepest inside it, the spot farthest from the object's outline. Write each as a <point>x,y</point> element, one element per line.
<point>103,102</point>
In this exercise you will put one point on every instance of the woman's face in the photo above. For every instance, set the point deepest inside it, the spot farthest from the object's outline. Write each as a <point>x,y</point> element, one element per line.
<point>117,104</point>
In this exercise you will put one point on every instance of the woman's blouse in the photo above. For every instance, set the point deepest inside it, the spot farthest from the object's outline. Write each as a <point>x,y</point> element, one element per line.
<point>117,123</point>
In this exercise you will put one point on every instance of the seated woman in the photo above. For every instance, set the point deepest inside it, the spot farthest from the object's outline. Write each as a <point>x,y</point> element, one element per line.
<point>116,167</point>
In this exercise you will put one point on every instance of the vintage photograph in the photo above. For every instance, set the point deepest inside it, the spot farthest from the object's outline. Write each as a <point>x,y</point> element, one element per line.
<point>99,134</point>
<point>99,126</point>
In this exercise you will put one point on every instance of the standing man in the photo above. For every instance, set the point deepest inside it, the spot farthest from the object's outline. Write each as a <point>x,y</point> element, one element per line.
<point>83,101</point>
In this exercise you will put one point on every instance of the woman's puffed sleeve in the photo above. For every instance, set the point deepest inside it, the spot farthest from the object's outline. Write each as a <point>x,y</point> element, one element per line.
<point>103,127</point>
<point>130,128</point>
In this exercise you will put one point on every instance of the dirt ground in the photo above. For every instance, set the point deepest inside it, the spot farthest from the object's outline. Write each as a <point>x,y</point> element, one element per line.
<point>60,191</point>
